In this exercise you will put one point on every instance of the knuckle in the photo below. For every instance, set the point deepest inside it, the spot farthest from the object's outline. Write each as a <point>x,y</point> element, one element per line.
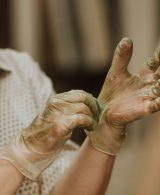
<point>62,131</point>
<point>152,108</point>
<point>87,120</point>
<point>112,78</point>
<point>85,109</point>
<point>91,97</point>
<point>82,119</point>
<point>77,91</point>
<point>82,92</point>
<point>71,91</point>
<point>55,102</point>
<point>83,95</point>
<point>158,102</point>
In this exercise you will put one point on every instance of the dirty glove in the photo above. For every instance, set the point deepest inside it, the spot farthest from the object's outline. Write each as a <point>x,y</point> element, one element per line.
<point>36,147</point>
<point>125,97</point>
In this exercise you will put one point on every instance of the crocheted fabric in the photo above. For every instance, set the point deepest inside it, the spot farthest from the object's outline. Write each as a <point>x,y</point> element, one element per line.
<point>24,89</point>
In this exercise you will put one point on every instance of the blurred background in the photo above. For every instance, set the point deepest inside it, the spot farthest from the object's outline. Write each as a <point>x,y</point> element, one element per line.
<point>74,41</point>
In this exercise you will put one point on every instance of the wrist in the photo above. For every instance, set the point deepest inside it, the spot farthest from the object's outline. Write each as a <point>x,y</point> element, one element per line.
<point>107,138</point>
<point>96,152</point>
<point>29,163</point>
<point>10,169</point>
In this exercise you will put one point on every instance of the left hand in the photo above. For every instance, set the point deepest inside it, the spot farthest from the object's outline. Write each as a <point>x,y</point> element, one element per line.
<point>125,97</point>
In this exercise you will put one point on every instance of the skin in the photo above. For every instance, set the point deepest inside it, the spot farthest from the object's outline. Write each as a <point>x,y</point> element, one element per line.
<point>90,172</point>
<point>64,113</point>
<point>119,96</point>
<point>8,185</point>
<point>47,134</point>
<point>127,97</point>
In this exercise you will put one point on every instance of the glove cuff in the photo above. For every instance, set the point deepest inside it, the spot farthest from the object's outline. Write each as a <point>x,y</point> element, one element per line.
<point>30,163</point>
<point>107,139</point>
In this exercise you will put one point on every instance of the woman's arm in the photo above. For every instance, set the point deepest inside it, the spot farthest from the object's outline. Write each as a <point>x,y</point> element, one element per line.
<point>89,174</point>
<point>125,98</point>
<point>10,178</point>
<point>36,147</point>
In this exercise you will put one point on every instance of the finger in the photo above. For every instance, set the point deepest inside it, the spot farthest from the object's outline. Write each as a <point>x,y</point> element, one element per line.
<point>148,80</point>
<point>156,88</point>
<point>77,108</point>
<point>81,120</point>
<point>156,91</point>
<point>151,93</point>
<point>95,106</point>
<point>67,108</point>
<point>119,65</point>
<point>157,55</point>
<point>158,83</point>
<point>152,64</point>
<point>157,73</point>
<point>122,56</point>
<point>154,106</point>
<point>80,96</point>
<point>157,61</point>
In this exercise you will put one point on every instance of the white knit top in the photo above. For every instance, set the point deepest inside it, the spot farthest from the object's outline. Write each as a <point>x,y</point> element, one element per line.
<point>24,89</point>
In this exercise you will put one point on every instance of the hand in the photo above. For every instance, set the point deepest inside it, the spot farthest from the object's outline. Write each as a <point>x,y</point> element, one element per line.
<point>125,98</point>
<point>38,145</point>
<point>63,113</point>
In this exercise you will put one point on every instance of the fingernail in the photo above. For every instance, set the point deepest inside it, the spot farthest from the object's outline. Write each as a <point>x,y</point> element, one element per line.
<point>155,91</point>
<point>126,41</point>
<point>151,62</point>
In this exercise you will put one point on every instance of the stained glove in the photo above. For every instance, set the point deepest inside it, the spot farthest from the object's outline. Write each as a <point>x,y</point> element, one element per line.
<point>36,147</point>
<point>125,97</point>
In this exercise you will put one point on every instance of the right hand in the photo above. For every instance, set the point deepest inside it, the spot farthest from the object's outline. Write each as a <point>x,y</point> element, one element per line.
<point>37,146</point>
<point>63,113</point>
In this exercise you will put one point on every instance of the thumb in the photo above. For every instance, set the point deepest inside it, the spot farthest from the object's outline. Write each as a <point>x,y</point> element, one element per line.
<point>122,56</point>
<point>121,59</point>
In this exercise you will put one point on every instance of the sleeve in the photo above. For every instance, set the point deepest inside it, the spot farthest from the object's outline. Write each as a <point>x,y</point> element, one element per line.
<point>40,84</point>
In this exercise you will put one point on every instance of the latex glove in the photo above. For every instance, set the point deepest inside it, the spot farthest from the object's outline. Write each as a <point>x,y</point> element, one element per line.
<point>38,145</point>
<point>125,98</point>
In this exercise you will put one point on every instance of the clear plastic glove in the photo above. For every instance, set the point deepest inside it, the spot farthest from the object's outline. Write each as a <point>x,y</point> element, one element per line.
<point>38,145</point>
<point>125,98</point>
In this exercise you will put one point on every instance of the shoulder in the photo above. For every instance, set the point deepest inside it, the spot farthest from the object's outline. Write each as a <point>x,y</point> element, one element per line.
<point>18,60</point>
<point>27,69</point>
<point>13,56</point>
<point>23,64</point>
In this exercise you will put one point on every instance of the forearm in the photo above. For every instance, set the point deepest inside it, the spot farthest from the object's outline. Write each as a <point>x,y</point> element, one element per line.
<point>89,174</point>
<point>10,178</point>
